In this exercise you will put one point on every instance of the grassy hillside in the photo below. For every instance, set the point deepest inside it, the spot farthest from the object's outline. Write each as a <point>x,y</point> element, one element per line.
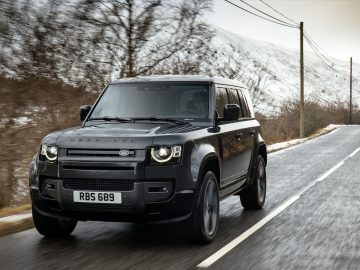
<point>29,110</point>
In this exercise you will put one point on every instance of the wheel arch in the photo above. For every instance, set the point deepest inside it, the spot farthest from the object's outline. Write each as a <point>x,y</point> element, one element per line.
<point>204,162</point>
<point>210,163</point>
<point>262,151</point>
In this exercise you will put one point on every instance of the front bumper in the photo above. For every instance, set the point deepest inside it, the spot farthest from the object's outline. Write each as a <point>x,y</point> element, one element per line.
<point>137,205</point>
<point>149,194</point>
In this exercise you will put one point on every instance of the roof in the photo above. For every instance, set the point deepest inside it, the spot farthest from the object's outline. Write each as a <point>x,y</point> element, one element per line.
<point>181,78</point>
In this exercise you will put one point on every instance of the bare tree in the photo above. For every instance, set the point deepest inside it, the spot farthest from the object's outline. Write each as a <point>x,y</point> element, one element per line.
<point>40,39</point>
<point>138,37</point>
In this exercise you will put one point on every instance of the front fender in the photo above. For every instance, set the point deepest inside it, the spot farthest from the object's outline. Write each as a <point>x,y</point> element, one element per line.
<point>33,171</point>
<point>201,154</point>
<point>261,147</point>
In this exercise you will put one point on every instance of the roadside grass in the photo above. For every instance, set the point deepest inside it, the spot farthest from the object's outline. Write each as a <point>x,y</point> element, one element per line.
<point>9,225</point>
<point>18,226</point>
<point>285,125</point>
<point>284,145</point>
<point>8,211</point>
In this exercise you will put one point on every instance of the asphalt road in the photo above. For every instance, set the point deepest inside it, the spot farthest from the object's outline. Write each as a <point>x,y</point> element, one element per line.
<point>319,230</point>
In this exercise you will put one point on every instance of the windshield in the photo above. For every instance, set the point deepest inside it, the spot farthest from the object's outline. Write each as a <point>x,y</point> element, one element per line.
<point>187,101</point>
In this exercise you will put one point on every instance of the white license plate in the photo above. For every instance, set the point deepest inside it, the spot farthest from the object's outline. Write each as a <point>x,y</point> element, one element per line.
<point>97,197</point>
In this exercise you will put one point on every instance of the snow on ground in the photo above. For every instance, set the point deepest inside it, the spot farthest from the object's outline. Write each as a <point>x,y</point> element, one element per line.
<point>21,121</point>
<point>16,217</point>
<point>284,145</point>
<point>321,82</point>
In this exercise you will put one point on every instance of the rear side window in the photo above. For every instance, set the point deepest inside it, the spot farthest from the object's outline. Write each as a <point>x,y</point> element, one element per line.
<point>244,105</point>
<point>234,99</point>
<point>249,103</point>
<point>221,100</point>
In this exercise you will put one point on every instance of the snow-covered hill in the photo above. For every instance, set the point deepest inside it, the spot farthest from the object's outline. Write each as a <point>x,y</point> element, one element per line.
<point>321,82</point>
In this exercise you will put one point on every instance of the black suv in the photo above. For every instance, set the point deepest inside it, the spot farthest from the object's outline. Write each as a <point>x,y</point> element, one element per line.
<point>153,149</point>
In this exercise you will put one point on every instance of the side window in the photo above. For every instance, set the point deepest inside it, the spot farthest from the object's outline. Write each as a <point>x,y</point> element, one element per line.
<point>244,105</point>
<point>221,100</point>
<point>234,99</point>
<point>249,103</point>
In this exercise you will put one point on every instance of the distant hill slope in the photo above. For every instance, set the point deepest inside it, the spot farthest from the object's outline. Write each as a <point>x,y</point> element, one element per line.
<point>321,82</point>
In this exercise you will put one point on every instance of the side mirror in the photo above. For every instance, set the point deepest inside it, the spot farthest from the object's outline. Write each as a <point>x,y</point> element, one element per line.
<point>231,112</point>
<point>84,111</point>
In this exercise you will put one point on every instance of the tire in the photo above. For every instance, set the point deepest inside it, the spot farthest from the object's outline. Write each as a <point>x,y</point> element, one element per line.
<point>253,197</point>
<point>202,225</point>
<point>52,227</point>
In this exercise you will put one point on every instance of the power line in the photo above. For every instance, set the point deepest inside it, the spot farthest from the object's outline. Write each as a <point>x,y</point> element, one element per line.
<point>317,45</point>
<point>321,57</point>
<point>278,12</point>
<point>321,51</point>
<point>312,45</point>
<point>324,54</point>
<point>248,11</point>
<point>266,13</point>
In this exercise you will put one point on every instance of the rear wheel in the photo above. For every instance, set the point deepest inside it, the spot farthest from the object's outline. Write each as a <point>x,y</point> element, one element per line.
<point>202,226</point>
<point>52,227</point>
<point>253,197</point>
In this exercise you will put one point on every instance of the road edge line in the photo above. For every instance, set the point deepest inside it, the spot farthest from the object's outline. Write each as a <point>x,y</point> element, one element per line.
<point>221,252</point>
<point>228,247</point>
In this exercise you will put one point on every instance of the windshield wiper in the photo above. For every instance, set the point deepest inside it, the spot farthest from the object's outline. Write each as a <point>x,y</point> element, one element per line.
<point>108,118</point>
<point>165,119</point>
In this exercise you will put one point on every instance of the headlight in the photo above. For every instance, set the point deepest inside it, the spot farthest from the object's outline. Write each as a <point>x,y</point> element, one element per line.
<point>50,152</point>
<point>164,154</point>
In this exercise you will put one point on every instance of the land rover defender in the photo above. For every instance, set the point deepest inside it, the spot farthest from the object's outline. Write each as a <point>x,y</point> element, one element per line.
<point>152,149</point>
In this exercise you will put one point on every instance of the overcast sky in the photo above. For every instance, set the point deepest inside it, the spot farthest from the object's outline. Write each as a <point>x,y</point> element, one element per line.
<point>333,24</point>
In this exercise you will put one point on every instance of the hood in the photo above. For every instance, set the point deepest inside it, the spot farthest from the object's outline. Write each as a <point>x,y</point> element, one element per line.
<point>115,135</point>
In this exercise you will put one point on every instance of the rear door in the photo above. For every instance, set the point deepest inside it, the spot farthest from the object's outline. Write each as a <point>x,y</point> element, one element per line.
<point>246,129</point>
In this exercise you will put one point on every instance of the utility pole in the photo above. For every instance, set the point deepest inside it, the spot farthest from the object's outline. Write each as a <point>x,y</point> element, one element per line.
<point>350,113</point>
<point>301,80</point>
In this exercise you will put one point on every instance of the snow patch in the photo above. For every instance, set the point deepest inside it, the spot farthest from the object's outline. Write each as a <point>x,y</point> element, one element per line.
<point>21,121</point>
<point>284,145</point>
<point>16,217</point>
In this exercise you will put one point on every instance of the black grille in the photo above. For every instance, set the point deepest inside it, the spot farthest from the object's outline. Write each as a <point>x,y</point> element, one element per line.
<point>99,184</point>
<point>101,152</point>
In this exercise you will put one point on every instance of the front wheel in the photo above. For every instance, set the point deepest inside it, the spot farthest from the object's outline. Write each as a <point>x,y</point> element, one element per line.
<point>253,197</point>
<point>202,226</point>
<point>52,227</point>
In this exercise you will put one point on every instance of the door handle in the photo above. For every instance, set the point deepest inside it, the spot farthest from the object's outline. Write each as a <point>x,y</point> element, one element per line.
<point>239,135</point>
<point>252,132</point>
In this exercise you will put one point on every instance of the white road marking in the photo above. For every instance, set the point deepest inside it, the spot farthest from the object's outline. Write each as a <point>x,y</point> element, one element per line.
<point>217,255</point>
<point>227,248</point>
<point>354,153</point>
<point>333,169</point>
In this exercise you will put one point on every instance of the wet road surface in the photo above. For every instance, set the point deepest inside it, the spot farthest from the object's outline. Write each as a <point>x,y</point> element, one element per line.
<point>319,230</point>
